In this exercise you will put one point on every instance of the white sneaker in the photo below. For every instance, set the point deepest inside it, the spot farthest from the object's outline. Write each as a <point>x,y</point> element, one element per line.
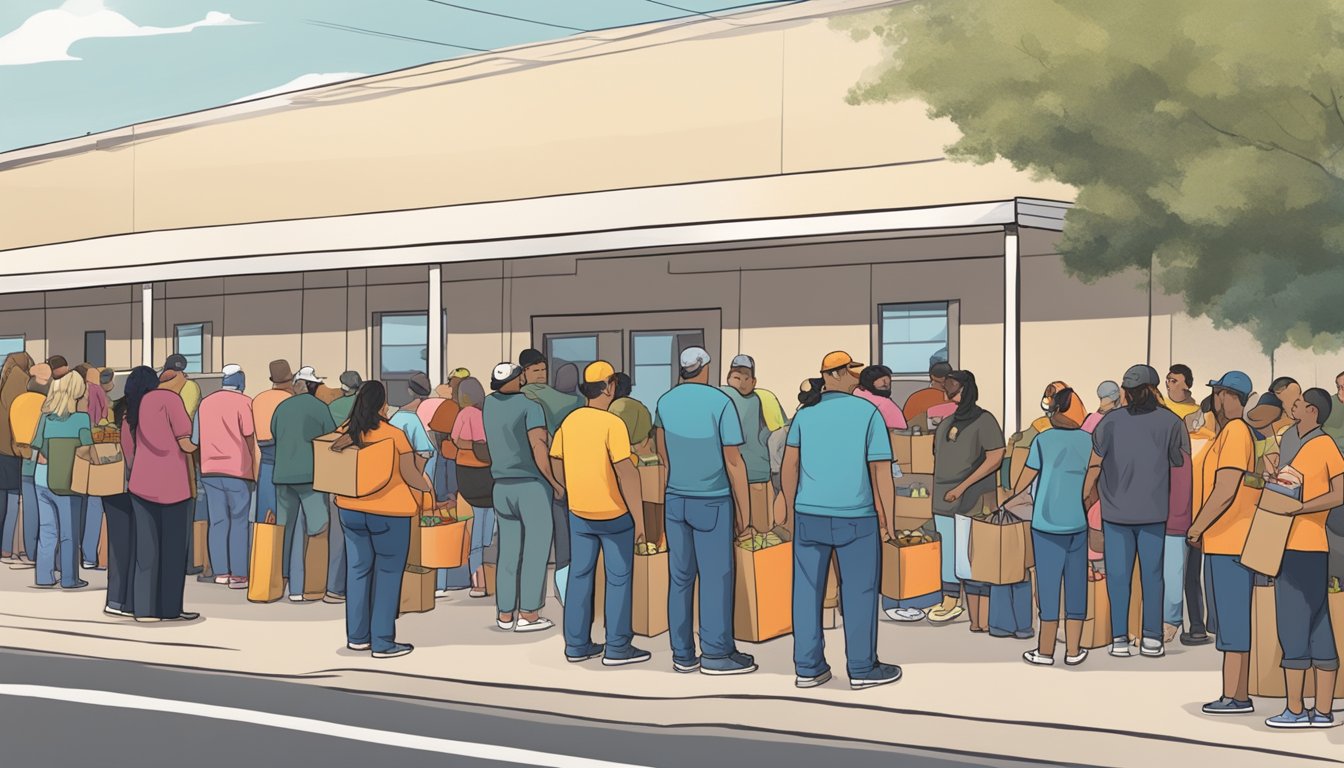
<point>439,594</point>
<point>1040,659</point>
<point>296,598</point>
<point>905,614</point>
<point>542,623</point>
<point>506,626</point>
<point>1121,648</point>
<point>1152,648</point>
<point>1074,661</point>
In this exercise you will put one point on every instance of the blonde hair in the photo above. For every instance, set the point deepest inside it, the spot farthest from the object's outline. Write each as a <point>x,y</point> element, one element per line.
<point>64,396</point>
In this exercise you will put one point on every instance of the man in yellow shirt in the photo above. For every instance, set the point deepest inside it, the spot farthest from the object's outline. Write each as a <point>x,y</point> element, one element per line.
<point>1303,618</point>
<point>1220,526</point>
<point>24,414</point>
<point>592,459</point>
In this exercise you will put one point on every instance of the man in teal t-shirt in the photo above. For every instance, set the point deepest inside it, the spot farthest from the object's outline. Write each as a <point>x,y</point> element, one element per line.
<point>298,421</point>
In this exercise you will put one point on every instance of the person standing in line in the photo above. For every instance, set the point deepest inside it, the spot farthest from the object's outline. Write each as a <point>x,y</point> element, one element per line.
<point>23,418</point>
<point>1334,426</point>
<point>700,437</point>
<point>837,479</point>
<point>56,511</point>
<point>13,383</point>
<point>1175,547</point>
<point>176,379</point>
<point>1057,466</point>
<point>119,511</point>
<point>916,408</point>
<point>263,410</point>
<point>378,529</point>
<point>407,419</point>
<point>755,452</point>
<point>448,580</point>
<point>156,441</point>
<point>515,430</point>
<point>297,422</point>
<point>340,407</point>
<point>1179,401</point>
<point>591,461</point>
<point>556,402</point>
<point>473,477</point>
<point>336,558</point>
<point>226,437</point>
<point>968,450</point>
<point>1134,449</point>
<point>638,420</point>
<point>1220,527</point>
<point>1288,391</point>
<point>1304,628</point>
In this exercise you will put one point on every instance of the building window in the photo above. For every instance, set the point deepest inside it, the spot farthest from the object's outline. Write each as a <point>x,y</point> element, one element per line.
<point>913,336</point>
<point>404,343</point>
<point>577,349</point>
<point>192,340</point>
<point>9,345</point>
<point>95,348</point>
<point>656,360</point>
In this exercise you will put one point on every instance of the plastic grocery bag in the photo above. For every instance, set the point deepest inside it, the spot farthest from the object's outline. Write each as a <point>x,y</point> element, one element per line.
<point>962,546</point>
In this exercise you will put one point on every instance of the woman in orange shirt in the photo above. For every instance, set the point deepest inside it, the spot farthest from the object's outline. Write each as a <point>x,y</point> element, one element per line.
<point>378,529</point>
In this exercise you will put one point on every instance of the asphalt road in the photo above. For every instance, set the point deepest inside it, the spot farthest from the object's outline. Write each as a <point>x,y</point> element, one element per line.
<point>57,710</point>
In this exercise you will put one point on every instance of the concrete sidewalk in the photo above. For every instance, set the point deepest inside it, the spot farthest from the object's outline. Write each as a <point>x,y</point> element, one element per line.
<point>962,694</point>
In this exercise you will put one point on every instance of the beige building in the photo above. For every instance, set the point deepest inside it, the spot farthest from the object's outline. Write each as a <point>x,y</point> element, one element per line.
<point>613,194</point>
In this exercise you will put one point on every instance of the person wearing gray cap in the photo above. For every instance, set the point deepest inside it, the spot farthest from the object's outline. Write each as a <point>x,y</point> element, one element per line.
<point>700,437</point>
<point>1134,449</point>
<point>340,407</point>
<point>407,419</point>
<point>1108,399</point>
<point>741,389</point>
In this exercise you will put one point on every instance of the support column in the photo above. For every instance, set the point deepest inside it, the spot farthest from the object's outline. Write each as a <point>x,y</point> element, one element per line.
<point>1012,318</point>
<point>434,359</point>
<point>147,324</point>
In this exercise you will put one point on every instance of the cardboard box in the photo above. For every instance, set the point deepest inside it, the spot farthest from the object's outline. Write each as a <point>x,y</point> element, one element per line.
<point>649,589</point>
<point>99,470</point>
<point>1268,537</point>
<point>911,508</point>
<point>655,523</point>
<point>445,545</point>
<point>315,553</point>
<point>1266,654</point>
<point>1016,463</point>
<point>911,570</point>
<point>760,498</point>
<point>353,472</point>
<point>763,593</point>
<point>200,544</point>
<point>653,482</point>
<point>1000,554</point>
<point>900,449</point>
<point>417,590</point>
<point>913,452</point>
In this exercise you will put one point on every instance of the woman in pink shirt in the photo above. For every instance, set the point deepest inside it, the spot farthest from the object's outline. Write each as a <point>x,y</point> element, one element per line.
<point>875,387</point>
<point>156,439</point>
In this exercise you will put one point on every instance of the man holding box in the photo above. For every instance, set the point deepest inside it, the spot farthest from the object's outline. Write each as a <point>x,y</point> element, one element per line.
<point>591,460</point>
<point>1304,629</point>
<point>699,437</point>
<point>837,468</point>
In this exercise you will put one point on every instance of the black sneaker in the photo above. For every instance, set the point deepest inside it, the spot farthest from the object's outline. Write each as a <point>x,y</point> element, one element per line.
<point>1228,706</point>
<point>882,674</point>
<point>1190,639</point>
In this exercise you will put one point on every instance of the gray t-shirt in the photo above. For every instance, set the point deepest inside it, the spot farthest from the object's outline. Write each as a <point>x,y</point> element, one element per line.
<point>754,450</point>
<point>508,419</point>
<point>956,460</point>
<point>1137,453</point>
<point>776,444</point>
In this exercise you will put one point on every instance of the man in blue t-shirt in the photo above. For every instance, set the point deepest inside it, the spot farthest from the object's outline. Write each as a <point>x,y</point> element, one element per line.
<point>836,476</point>
<point>699,437</point>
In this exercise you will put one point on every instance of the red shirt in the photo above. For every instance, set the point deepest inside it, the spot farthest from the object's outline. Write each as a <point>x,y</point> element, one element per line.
<point>225,423</point>
<point>159,470</point>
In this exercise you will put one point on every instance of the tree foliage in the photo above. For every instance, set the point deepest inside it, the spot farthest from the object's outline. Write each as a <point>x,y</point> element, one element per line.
<point>1204,137</point>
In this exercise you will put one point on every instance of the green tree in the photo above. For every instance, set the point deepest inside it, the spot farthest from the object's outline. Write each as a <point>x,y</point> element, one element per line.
<point>1204,137</point>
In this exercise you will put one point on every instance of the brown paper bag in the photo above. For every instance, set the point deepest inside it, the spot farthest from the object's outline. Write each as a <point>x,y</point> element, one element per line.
<point>652,482</point>
<point>102,546</point>
<point>415,553</point>
<point>909,508</point>
<point>315,566</point>
<point>200,544</point>
<point>649,589</point>
<point>758,501</point>
<point>1000,554</point>
<point>265,580</point>
<point>1097,625</point>
<point>1268,537</point>
<point>763,593</point>
<point>1017,462</point>
<point>921,455</point>
<point>831,597</point>
<point>1266,654</point>
<point>417,590</point>
<point>655,523</point>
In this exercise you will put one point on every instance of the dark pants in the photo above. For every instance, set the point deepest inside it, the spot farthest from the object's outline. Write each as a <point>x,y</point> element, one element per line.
<point>1200,622</point>
<point>160,557</point>
<point>857,546</point>
<point>119,517</point>
<point>1303,618</point>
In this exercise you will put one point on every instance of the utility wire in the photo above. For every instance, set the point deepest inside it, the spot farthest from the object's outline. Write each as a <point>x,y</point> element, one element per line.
<point>375,33</point>
<point>506,16</point>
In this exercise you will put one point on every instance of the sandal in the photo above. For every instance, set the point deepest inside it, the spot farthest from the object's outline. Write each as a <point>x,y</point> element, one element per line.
<point>942,617</point>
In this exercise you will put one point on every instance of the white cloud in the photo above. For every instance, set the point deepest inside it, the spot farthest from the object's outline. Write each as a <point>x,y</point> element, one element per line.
<point>301,82</point>
<point>48,35</point>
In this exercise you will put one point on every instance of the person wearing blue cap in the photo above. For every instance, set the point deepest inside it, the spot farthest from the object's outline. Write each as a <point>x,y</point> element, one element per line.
<point>1134,449</point>
<point>1220,527</point>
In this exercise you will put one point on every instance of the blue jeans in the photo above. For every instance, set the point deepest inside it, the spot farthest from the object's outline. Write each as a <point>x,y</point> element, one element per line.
<point>1228,586</point>
<point>303,512</point>
<point>92,527</point>
<point>616,541</point>
<point>376,547</point>
<point>336,561</point>
<point>1061,563</point>
<point>1173,580</point>
<point>857,546</point>
<point>922,602</point>
<point>445,489</point>
<point>700,543</point>
<point>1010,609</point>
<point>228,501</point>
<point>1123,543</point>
<point>10,499</point>
<point>266,482</point>
<point>56,521</point>
<point>28,491</point>
<point>482,533</point>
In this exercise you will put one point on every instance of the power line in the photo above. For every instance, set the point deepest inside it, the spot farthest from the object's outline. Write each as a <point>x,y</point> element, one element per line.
<point>506,16</point>
<point>376,33</point>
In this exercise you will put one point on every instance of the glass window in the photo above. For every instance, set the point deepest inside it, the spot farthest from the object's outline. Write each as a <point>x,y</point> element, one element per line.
<point>10,345</point>
<point>656,361</point>
<point>579,350</point>
<point>404,343</point>
<point>189,342</point>
<point>913,336</point>
<point>95,348</point>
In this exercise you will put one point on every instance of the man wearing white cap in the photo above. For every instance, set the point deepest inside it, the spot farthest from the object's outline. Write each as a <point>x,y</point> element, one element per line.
<point>699,436</point>
<point>296,423</point>
<point>224,431</point>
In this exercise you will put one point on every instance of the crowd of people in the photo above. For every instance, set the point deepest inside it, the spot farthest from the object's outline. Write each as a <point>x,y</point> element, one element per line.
<point>1152,487</point>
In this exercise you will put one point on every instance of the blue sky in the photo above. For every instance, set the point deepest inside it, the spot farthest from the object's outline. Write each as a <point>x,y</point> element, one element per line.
<point>83,66</point>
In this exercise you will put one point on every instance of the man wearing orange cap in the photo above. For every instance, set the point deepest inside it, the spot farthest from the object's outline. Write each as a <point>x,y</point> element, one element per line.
<point>837,478</point>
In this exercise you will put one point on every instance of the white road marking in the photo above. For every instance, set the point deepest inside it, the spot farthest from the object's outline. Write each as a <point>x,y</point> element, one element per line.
<point>306,725</point>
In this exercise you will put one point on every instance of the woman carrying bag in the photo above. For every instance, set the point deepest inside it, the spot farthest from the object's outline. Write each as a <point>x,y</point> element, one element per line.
<point>60,430</point>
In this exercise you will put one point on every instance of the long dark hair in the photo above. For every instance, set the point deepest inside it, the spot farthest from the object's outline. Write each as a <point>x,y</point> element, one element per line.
<point>810,394</point>
<point>366,413</point>
<point>1142,399</point>
<point>141,381</point>
<point>968,409</point>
